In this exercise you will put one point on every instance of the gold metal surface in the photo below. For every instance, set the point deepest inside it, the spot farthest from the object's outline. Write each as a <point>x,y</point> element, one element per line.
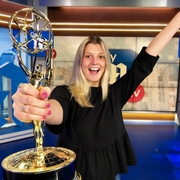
<point>38,76</point>
<point>77,176</point>
<point>25,161</point>
<point>41,159</point>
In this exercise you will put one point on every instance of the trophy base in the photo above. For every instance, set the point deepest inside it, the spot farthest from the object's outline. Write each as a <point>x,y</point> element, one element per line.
<point>59,165</point>
<point>45,176</point>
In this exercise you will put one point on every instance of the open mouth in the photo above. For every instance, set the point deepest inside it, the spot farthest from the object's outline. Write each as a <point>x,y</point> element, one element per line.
<point>94,70</point>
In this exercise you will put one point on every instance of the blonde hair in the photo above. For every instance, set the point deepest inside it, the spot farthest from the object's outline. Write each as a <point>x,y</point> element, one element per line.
<point>78,84</point>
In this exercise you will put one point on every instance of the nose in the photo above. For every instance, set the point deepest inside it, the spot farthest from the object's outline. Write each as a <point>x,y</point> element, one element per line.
<point>94,60</point>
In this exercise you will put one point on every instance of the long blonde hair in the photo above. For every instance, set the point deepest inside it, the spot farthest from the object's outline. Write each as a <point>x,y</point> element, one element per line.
<point>78,84</point>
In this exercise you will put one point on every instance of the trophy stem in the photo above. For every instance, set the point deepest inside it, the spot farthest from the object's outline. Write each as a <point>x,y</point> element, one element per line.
<point>37,80</point>
<point>38,133</point>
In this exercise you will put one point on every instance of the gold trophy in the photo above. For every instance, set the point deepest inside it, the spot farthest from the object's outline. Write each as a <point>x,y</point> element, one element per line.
<point>47,163</point>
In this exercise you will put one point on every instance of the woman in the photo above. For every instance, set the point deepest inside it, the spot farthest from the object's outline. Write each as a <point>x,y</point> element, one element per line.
<point>87,112</point>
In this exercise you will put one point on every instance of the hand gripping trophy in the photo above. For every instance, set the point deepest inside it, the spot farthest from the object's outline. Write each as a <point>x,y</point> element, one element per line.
<point>47,163</point>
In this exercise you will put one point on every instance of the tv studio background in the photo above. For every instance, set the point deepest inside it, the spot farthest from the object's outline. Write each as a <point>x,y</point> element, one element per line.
<point>152,114</point>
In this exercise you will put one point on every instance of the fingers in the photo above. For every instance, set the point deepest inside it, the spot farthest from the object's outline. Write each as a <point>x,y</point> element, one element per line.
<point>28,89</point>
<point>29,95</point>
<point>23,107</point>
<point>29,113</point>
<point>44,92</point>
<point>31,104</point>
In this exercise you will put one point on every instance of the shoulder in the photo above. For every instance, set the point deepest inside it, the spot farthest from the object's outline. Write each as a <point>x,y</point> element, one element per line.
<point>61,91</point>
<point>61,88</point>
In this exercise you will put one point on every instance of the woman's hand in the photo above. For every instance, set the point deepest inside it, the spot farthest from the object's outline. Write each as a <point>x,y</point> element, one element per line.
<point>30,103</point>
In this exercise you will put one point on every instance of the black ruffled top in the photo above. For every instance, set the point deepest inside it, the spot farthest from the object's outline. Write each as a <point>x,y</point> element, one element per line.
<point>98,135</point>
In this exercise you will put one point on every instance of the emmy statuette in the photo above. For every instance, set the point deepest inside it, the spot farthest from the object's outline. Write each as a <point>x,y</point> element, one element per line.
<point>47,163</point>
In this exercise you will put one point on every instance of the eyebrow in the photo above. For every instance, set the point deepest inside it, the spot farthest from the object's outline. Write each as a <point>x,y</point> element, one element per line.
<point>92,53</point>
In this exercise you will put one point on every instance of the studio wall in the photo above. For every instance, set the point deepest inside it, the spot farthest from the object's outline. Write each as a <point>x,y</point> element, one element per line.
<point>160,87</point>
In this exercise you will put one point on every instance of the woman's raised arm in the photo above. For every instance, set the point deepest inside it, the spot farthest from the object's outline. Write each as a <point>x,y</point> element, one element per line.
<point>161,40</point>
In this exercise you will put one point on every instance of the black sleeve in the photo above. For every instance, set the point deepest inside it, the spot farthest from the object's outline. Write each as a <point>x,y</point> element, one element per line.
<point>62,95</point>
<point>141,67</point>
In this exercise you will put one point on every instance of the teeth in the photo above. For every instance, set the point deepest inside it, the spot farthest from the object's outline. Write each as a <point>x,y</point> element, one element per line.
<point>94,69</point>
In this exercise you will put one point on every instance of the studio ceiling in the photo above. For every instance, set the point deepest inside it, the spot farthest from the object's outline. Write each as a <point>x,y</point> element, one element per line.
<point>101,17</point>
<point>102,3</point>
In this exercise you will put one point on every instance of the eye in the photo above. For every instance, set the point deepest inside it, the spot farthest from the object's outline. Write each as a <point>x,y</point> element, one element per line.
<point>101,57</point>
<point>87,56</point>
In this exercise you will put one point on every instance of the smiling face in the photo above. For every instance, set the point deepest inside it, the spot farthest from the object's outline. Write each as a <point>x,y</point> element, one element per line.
<point>93,64</point>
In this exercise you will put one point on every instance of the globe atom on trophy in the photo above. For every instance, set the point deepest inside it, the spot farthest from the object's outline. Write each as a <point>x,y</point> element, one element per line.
<point>47,163</point>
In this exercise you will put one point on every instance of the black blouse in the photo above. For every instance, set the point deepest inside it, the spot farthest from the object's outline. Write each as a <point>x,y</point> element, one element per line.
<point>98,135</point>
